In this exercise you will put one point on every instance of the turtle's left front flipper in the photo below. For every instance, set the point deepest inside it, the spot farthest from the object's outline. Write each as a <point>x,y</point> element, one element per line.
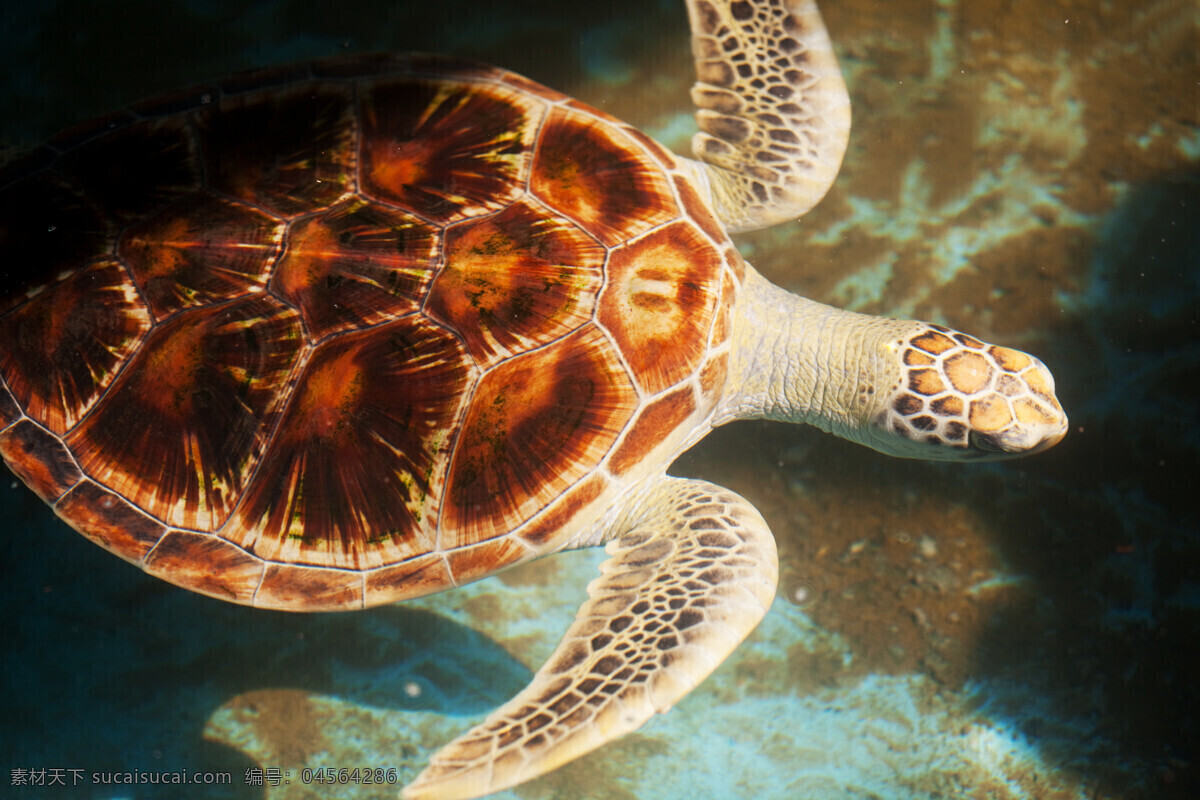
<point>693,571</point>
<point>772,108</point>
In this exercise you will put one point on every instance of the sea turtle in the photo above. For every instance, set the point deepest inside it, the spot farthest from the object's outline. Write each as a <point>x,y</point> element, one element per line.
<point>336,335</point>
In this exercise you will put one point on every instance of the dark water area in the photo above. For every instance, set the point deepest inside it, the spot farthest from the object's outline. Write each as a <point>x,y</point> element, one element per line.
<point>1027,173</point>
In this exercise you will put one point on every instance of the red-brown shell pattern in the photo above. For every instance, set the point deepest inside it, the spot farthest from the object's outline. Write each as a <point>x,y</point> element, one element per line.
<point>333,336</point>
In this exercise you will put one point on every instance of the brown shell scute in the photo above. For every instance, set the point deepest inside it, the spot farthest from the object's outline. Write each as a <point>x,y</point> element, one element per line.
<point>356,265</point>
<point>588,171</point>
<point>88,325</point>
<point>660,302</point>
<point>167,168</point>
<point>538,423</point>
<point>443,149</point>
<point>110,520</point>
<point>287,151</point>
<point>199,250</point>
<point>180,429</point>
<point>351,478</point>
<point>39,459</point>
<point>516,280</point>
<point>47,227</point>
<point>324,337</point>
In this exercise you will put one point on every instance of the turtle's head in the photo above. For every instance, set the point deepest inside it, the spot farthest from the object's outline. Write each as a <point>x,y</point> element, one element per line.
<point>961,399</point>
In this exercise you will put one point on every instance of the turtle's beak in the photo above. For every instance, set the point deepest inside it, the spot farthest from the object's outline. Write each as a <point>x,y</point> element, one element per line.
<point>1020,440</point>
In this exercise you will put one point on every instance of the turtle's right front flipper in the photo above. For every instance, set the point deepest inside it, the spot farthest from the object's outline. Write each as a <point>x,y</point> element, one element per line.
<point>693,571</point>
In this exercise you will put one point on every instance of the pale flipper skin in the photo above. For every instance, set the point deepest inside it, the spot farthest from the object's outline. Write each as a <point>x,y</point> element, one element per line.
<point>772,108</point>
<point>692,571</point>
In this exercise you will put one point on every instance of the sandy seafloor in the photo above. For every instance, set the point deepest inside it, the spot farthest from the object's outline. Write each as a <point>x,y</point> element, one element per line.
<point>1021,169</point>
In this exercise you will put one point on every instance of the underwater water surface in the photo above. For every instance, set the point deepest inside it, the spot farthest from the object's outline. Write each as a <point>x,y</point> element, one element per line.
<point>1027,630</point>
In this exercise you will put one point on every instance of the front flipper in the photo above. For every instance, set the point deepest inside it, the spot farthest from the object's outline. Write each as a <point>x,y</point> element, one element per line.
<point>692,572</point>
<point>772,108</point>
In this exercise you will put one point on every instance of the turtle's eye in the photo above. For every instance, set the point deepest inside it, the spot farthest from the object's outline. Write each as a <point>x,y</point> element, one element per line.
<point>987,442</point>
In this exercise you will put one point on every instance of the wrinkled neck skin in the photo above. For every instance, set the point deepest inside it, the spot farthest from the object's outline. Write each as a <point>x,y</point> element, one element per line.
<point>796,360</point>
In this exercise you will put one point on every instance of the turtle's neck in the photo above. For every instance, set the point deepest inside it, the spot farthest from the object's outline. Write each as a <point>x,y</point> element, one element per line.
<point>797,360</point>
